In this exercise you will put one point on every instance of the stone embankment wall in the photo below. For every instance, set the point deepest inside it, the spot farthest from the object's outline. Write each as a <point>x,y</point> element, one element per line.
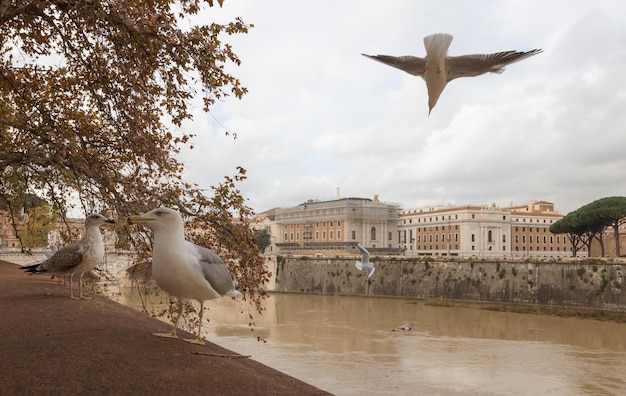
<point>588,283</point>
<point>22,258</point>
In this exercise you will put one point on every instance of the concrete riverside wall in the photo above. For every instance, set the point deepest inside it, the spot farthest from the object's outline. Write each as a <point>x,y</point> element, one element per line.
<point>590,283</point>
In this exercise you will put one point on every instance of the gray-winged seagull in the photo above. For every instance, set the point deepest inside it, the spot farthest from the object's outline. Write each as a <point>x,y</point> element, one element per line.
<point>365,262</point>
<point>77,258</point>
<point>438,69</point>
<point>183,269</point>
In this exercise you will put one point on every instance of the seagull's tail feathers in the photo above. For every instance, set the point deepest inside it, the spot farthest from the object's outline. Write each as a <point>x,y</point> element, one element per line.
<point>358,265</point>
<point>437,44</point>
<point>32,269</point>
<point>236,294</point>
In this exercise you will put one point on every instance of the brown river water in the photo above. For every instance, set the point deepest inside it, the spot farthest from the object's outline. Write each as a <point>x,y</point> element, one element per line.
<point>347,346</point>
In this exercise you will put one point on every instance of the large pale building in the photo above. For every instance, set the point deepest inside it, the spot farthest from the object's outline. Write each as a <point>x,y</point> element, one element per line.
<point>530,231</point>
<point>336,226</point>
<point>487,230</point>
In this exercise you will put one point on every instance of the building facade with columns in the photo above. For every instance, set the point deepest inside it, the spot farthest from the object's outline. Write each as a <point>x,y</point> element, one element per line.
<point>336,226</point>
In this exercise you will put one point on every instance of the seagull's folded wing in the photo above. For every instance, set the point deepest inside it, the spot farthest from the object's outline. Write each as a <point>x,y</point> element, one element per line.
<point>64,259</point>
<point>215,271</point>
<point>477,64</point>
<point>410,64</point>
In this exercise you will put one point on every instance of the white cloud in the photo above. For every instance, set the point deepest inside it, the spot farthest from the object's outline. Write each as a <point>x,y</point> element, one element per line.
<point>319,116</point>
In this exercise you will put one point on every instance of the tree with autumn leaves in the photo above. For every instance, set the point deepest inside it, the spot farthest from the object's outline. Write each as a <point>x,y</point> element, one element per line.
<point>93,94</point>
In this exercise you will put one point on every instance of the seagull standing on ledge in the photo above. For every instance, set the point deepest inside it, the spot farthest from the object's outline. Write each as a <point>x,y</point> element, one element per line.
<point>438,69</point>
<point>365,262</point>
<point>183,269</point>
<point>77,258</point>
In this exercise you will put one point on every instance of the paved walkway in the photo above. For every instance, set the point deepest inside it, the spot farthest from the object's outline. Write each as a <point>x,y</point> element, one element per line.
<point>50,344</point>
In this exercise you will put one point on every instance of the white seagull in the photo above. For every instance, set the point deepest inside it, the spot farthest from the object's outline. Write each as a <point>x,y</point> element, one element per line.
<point>365,262</point>
<point>53,249</point>
<point>438,69</point>
<point>183,269</point>
<point>77,258</point>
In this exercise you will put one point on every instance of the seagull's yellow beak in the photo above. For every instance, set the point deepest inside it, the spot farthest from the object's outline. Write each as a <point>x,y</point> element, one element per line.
<point>137,220</point>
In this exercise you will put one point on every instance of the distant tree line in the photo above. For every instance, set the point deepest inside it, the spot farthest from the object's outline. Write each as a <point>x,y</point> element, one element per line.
<point>590,222</point>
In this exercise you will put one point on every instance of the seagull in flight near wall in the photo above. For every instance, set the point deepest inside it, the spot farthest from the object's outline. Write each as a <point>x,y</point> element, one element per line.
<point>438,69</point>
<point>77,258</point>
<point>365,262</point>
<point>183,269</point>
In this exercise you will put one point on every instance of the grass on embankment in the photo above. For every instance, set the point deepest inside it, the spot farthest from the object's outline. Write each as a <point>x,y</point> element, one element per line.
<point>565,312</point>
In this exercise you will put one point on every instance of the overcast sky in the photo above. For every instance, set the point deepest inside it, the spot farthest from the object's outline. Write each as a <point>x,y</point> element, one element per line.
<point>319,116</point>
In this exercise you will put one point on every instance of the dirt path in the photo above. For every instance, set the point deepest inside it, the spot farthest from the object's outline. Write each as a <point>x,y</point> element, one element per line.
<point>50,344</point>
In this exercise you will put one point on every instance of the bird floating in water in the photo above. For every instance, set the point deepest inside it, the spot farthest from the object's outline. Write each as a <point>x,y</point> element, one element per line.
<point>183,269</point>
<point>403,327</point>
<point>365,262</point>
<point>77,258</point>
<point>438,69</point>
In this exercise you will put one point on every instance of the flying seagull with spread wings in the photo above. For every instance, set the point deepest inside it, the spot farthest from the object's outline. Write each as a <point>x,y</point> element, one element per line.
<point>438,69</point>
<point>77,258</point>
<point>183,269</point>
<point>365,263</point>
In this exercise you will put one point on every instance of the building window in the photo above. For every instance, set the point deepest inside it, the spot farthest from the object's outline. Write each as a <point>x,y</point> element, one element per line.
<point>489,236</point>
<point>353,235</point>
<point>373,234</point>
<point>332,234</point>
<point>473,240</point>
<point>338,234</point>
<point>504,238</point>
